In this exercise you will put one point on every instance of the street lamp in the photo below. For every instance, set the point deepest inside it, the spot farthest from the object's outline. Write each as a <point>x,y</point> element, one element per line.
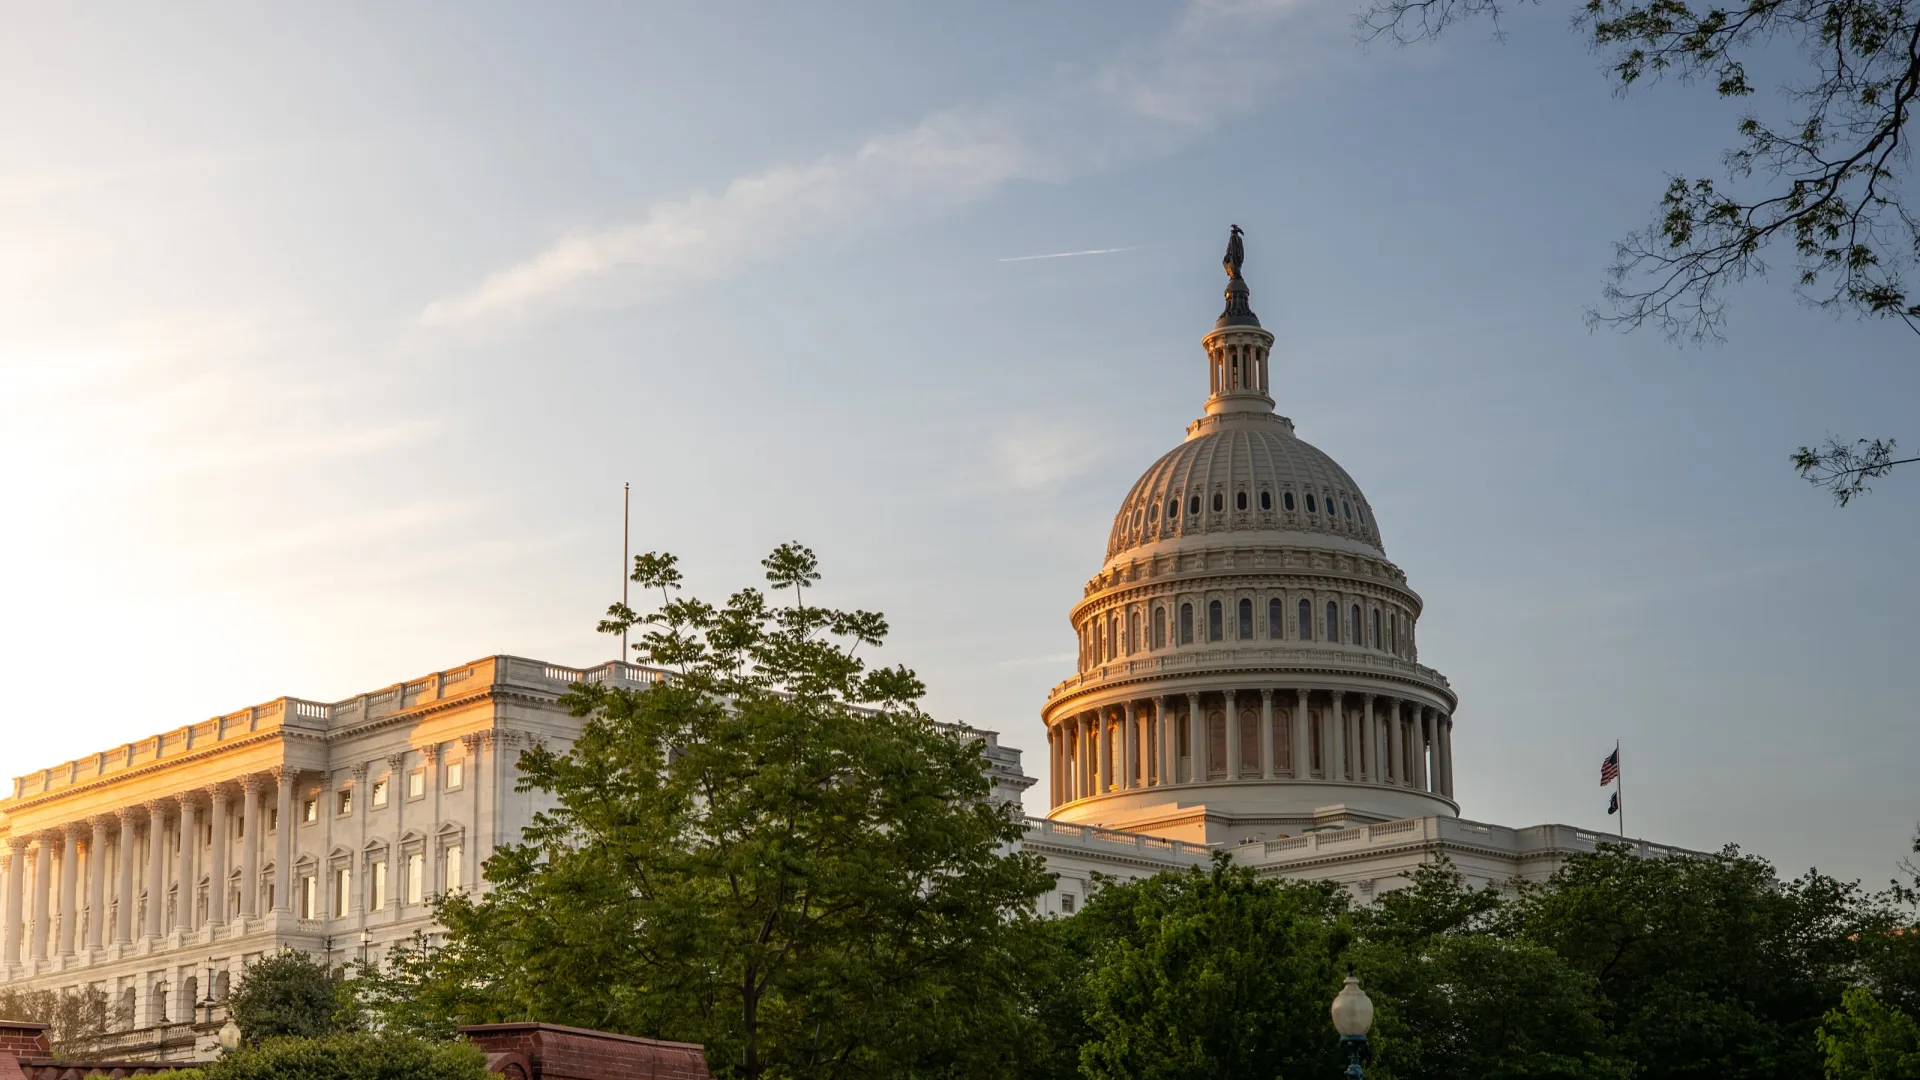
<point>1353,1018</point>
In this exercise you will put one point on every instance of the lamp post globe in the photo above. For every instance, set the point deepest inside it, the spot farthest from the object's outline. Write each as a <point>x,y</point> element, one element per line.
<point>1353,1018</point>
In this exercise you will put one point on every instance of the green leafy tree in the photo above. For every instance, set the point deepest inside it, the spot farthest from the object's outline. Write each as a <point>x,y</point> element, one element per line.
<point>1864,1039</point>
<point>1823,178</point>
<point>1705,966</point>
<point>290,993</point>
<point>1458,999</point>
<point>775,854</point>
<point>1212,974</point>
<point>344,1057</point>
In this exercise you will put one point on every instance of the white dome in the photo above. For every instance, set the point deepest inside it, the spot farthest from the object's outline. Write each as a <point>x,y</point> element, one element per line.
<point>1244,473</point>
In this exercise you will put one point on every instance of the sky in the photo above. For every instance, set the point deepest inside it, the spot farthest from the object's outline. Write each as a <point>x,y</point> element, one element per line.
<point>328,338</point>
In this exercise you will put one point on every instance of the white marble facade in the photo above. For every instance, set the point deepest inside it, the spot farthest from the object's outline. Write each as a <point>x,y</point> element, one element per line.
<point>322,826</point>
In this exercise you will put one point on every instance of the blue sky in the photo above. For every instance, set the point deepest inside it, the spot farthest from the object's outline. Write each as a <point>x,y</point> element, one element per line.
<point>326,343</point>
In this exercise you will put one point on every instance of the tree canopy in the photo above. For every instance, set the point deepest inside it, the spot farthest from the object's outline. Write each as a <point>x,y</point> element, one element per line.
<point>774,853</point>
<point>290,993</point>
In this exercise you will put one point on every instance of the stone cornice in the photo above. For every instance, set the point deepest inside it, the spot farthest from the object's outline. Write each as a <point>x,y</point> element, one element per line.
<point>1239,667</point>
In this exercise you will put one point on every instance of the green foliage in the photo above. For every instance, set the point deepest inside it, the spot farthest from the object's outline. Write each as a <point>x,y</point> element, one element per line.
<point>1864,1039</point>
<point>1208,973</point>
<point>290,993</point>
<point>1705,966</point>
<point>345,1057</point>
<point>775,854</point>
<point>1457,997</point>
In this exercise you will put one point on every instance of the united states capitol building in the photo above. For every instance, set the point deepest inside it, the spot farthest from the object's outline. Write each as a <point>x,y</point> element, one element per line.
<point>1248,680</point>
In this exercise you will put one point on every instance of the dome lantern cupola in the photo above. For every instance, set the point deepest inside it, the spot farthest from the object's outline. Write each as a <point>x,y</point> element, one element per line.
<point>1238,349</point>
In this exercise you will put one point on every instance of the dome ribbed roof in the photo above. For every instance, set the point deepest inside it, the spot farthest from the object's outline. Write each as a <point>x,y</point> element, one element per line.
<point>1244,455</point>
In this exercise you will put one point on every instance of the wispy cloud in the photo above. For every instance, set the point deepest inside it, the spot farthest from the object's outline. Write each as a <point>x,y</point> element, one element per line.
<point>1039,458</point>
<point>1068,254</point>
<point>1217,59</point>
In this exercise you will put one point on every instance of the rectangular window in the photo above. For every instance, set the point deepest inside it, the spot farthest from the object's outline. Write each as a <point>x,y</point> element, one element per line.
<point>453,867</point>
<point>346,801</point>
<point>416,877</point>
<point>273,819</point>
<point>342,892</point>
<point>310,811</point>
<point>456,772</point>
<point>416,783</point>
<point>309,897</point>
<point>379,794</point>
<point>1066,902</point>
<point>377,887</point>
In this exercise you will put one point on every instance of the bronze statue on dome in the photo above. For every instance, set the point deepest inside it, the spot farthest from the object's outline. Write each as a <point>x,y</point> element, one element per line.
<point>1236,253</point>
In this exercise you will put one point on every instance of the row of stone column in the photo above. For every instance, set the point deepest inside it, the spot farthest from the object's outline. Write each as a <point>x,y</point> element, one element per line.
<point>109,848</point>
<point>1323,734</point>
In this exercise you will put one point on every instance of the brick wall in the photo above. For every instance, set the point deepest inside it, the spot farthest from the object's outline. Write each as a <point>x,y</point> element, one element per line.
<point>23,1038</point>
<point>566,1053</point>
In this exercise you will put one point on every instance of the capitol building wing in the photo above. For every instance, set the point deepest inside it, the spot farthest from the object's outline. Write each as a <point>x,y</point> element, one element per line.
<point>147,868</point>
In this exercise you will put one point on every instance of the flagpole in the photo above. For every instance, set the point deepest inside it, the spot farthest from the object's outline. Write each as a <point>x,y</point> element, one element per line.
<point>626,553</point>
<point>1618,789</point>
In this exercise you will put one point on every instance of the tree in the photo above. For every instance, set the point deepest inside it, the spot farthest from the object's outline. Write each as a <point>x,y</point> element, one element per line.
<point>1459,997</point>
<point>1705,966</point>
<point>774,853</point>
<point>1864,1039</point>
<point>76,1020</point>
<point>290,993</point>
<point>1211,974</point>
<point>344,1057</point>
<point>1827,180</point>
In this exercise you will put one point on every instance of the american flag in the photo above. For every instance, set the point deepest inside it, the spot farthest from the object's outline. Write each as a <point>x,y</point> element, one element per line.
<point>1610,768</point>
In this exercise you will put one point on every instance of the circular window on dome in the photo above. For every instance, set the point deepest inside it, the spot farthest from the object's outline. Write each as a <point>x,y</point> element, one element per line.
<point>1286,499</point>
<point>1266,500</point>
<point>1311,507</point>
<point>1239,500</point>
<point>1219,502</point>
<point>1193,505</point>
<point>1346,509</point>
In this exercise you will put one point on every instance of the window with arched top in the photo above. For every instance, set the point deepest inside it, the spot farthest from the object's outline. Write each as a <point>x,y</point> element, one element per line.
<point>1186,624</point>
<point>1113,635</point>
<point>1133,631</point>
<point>1346,510</point>
<point>1159,627</point>
<point>1246,619</point>
<point>1312,508</point>
<point>1239,500</point>
<point>1276,620</point>
<point>1173,509</point>
<point>1333,622</point>
<point>1305,615</point>
<point>1215,631</point>
<point>1286,499</point>
<point>1219,502</point>
<point>1376,628</point>
<point>1266,500</point>
<point>1393,637</point>
<point>1353,633</point>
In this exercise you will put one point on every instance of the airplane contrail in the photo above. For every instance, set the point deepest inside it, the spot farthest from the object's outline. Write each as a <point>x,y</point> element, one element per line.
<point>1068,254</point>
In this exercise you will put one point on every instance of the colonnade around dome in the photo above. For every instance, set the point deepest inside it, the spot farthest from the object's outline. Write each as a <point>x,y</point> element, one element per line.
<point>1246,733</point>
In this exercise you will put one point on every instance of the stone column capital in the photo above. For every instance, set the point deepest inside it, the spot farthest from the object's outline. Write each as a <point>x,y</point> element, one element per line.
<point>471,740</point>
<point>187,801</point>
<point>282,774</point>
<point>18,844</point>
<point>1266,695</point>
<point>430,752</point>
<point>216,793</point>
<point>127,815</point>
<point>396,762</point>
<point>253,783</point>
<point>74,829</point>
<point>358,772</point>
